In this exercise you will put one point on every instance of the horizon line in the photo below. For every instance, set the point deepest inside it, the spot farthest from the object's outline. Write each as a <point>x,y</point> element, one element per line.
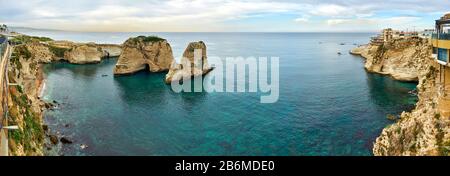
<point>62,30</point>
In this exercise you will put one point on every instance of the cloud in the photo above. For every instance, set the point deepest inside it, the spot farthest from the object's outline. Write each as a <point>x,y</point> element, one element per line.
<point>373,21</point>
<point>331,10</point>
<point>210,15</point>
<point>303,19</point>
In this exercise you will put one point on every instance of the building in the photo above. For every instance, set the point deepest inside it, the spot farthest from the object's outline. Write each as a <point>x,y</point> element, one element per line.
<point>441,46</point>
<point>385,36</point>
<point>388,34</point>
<point>404,34</point>
<point>426,33</point>
<point>377,40</point>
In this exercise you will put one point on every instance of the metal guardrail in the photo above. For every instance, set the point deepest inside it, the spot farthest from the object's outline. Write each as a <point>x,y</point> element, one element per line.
<point>5,54</point>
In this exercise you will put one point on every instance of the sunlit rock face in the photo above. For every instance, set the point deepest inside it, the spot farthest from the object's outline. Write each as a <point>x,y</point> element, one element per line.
<point>193,63</point>
<point>139,53</point>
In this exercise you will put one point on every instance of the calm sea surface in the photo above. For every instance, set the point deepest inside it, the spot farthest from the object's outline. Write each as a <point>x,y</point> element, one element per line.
<point>328,105</point>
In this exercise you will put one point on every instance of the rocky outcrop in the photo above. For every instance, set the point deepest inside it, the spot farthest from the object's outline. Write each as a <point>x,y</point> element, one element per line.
<point>420,132</point>
<point>24,104</point>
<point>75,53</point>
<point>41,51</point>
<point>394,58</point>
<point>193,63</point>
<point>110,50</point>
<point>152,53</point>
<point>83,54</point>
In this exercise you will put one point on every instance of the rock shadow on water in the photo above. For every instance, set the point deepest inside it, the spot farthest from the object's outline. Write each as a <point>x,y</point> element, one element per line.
<point>387,92</point>
<point>85,71</point>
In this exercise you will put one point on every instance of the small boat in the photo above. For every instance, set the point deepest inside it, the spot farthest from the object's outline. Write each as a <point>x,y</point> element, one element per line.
<point>339,53</point>
<point>104,75</point>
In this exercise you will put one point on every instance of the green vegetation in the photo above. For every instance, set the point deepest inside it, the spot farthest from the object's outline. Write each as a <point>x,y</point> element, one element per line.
<point>20,51</point>
<point>23,51</point>
<point>26,39</point>
<point>21,101</point>
<point>445,148</point>
<point>59,52</point>
<point>151,38</point>
<point>146,39</point>
<point>33,65</point>
<point>30,135</point>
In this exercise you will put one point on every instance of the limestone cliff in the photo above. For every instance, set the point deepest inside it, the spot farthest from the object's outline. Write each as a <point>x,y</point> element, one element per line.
<point>76,53</point>
<point>394,58</point>
<point>420,132</point>
<point>24,104</point>
<point>25,108</point>
<point>152,53</point>
<point>82,54</point>
<point>193,63</point>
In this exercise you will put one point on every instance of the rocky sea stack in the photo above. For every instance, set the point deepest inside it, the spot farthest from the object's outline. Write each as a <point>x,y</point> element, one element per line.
<point>139,53</point>
<point>193,63</point>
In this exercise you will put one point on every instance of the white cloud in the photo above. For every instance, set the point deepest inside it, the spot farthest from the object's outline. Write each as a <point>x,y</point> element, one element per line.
<point>207,15</point>
<point>373,21</point>
<point>332,22</point>
<point>331,10</point>
<point>303,19</point>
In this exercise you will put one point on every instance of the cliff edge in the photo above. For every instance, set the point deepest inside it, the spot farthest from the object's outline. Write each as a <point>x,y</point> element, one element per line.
<point>423,131</point>
<point>24,104</point>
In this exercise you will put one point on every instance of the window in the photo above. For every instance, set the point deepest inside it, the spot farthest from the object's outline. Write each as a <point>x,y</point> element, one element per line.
<point>442,54</point>
<point>435,50</point>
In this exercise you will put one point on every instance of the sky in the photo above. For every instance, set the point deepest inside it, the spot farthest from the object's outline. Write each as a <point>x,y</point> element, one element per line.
<point>223,15</point>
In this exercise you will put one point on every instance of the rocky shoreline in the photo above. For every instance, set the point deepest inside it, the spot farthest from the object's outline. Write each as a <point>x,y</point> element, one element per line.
<point>423,131</point>
<point>26,104</point>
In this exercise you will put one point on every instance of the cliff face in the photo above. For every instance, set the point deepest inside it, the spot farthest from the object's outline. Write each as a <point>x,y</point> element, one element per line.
<point>190,66</point>
<point>25,107</point>
<point>422,131</point>
<point>75,53</point>
<point>396,58</point>
<point>82,54</point>
<point>144,52</point>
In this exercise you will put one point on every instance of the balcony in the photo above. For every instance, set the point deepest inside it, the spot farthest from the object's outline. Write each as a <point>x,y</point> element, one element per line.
<point>442,36</point>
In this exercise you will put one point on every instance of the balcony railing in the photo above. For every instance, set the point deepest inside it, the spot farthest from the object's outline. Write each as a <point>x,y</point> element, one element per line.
<point>441,36</point>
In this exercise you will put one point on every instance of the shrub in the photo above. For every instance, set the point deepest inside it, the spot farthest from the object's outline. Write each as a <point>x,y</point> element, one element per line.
<point>57,51</point>
<point>25,39</point>
<point>146,39</point>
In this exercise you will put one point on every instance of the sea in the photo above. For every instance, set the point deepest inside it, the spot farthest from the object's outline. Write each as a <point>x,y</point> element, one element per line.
<point>328,104</point>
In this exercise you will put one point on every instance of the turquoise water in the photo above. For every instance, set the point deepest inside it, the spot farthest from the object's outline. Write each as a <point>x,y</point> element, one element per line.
<point>328,105</point>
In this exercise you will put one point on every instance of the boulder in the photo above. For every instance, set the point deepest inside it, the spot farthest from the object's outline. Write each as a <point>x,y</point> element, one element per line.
<point>53,139</point>
<point>140,53</point>
<point>65,140</point>
<point>110,50</point>
<point>193,63</point>
<point>83,54</point>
